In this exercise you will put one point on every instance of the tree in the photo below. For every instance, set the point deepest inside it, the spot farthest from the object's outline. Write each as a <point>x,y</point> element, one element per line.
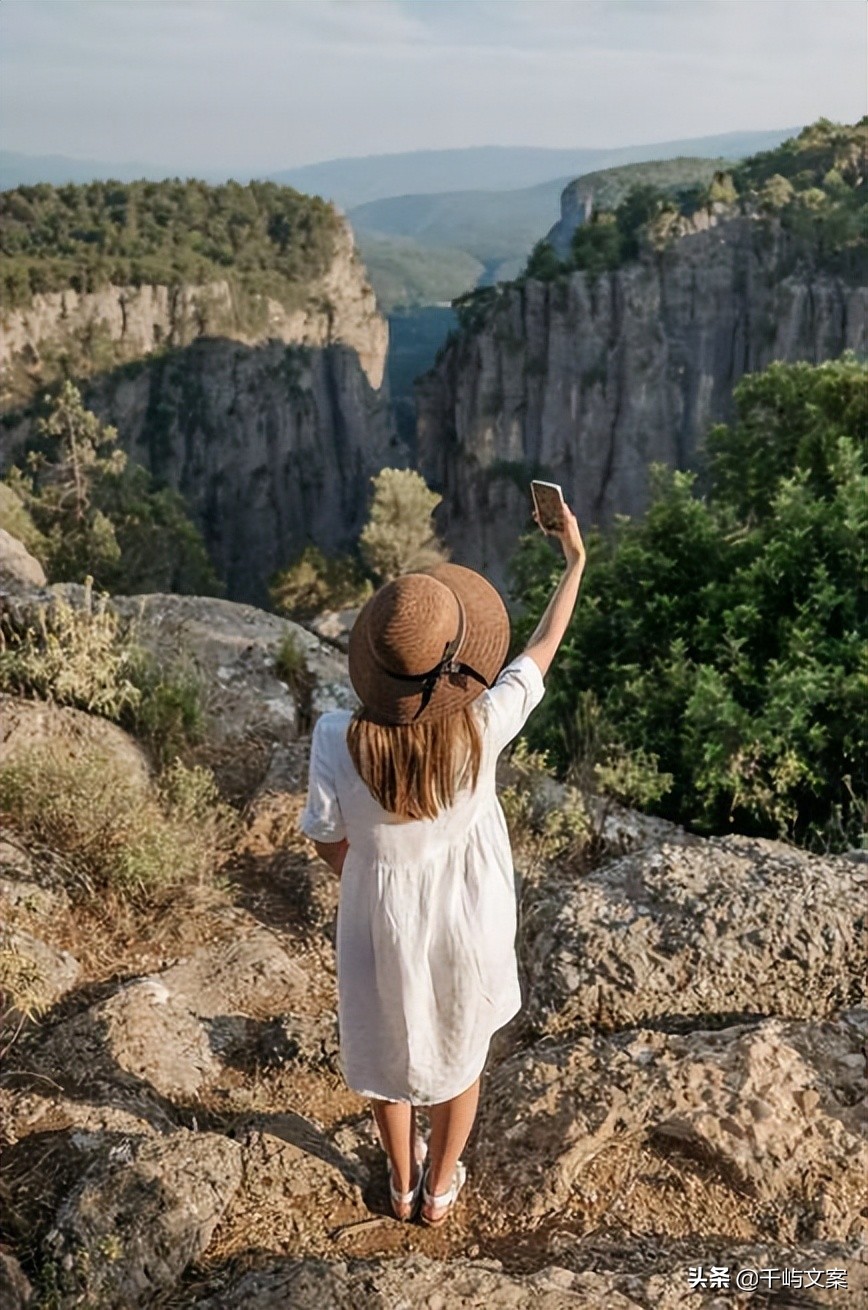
<point>398,536</point>
<point>723,637</point>
<point>98,515</point>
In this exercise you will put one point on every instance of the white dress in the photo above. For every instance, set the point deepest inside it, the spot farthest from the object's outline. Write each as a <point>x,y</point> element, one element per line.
<point>426,927</point>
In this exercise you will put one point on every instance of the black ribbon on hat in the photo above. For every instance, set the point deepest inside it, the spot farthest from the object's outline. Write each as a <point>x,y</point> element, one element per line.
<point>449,666</point>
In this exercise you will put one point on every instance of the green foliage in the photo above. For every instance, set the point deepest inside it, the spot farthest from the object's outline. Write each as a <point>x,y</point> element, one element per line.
<point>398,536</point>
<point>97,515</point>
<point>315,582</point>
<point>90,659</point>
<point>720,642</point>
<point>17,521</point>
<point>270,239</point>
<point>597,245</point>
<point>116,836</point>
<point>543,263</point>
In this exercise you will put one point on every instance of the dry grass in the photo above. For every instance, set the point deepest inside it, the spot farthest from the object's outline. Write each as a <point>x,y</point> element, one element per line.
<point>113,834</point>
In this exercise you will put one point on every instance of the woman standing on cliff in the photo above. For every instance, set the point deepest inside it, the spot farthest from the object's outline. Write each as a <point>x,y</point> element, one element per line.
<point>402,805</point>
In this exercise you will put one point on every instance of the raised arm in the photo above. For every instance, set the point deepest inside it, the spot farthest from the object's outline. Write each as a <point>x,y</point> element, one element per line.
<point>550,630</point>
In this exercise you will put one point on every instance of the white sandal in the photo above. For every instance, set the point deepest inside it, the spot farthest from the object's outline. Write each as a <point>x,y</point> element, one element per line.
<point>443,1200</point>
<point>410,1198</point>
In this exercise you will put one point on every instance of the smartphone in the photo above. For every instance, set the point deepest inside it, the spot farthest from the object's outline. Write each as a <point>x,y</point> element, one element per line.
<point>548,500</point>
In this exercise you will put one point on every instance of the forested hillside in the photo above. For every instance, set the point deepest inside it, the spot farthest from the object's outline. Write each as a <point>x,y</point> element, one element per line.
<point>271,238</point>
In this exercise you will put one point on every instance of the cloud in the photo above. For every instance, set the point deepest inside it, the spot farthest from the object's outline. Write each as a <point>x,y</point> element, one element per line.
<point>264,84</point>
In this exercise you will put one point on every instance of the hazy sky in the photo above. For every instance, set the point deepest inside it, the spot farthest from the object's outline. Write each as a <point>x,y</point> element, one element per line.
<point>266,84</point>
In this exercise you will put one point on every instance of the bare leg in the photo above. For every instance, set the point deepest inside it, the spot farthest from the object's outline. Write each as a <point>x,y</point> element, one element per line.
<point>451,1122</point>
<point>396,1121</point>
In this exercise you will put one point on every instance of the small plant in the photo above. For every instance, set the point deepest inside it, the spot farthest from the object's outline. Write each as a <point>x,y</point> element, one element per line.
<point>290,665</point>
<point>76,657</point>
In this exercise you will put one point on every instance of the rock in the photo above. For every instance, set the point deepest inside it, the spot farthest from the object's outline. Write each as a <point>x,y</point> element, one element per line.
<point>15,1289</point>
<point>335,626</point>
<point>46,972</point>
<point>297,1190</point>
<point>18,569</point>
<point>415,1282</point>
<point>23,882</point>
<point>771,1109</point>
<point>595,378</point>
<point>68,733</point>
<point>144,1036</point>
<point>727,926</point>
<point>251,975</point>
<point>235,650</point>
<point>129,1229</point>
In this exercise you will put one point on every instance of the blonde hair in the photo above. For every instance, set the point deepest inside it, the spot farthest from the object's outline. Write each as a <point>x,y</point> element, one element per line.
<point>415,769</point>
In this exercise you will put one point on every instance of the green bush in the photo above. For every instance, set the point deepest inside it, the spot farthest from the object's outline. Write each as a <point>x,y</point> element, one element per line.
<point>721,640</point>
<point>399,536</point>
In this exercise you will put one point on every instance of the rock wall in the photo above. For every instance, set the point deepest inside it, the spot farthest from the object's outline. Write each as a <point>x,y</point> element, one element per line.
<point>271,434</point>
<point>272,447</point>
<point>586,381</point>
<point>339,307</point>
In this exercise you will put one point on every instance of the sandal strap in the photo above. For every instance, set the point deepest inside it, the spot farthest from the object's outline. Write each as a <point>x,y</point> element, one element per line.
<point>404,1198</point>
<point>444,1198</point>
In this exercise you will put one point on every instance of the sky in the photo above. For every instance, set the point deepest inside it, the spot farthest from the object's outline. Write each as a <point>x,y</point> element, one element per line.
<point>270,84</point>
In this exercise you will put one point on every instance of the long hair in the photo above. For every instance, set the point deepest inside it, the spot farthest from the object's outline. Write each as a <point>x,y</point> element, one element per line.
<point>415,769</point>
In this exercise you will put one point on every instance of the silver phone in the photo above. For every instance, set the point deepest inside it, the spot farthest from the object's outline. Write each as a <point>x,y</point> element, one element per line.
<point>548,501</point>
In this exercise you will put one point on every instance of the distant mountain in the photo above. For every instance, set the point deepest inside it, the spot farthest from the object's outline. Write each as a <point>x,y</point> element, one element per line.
<point>29,170</point>
<point>495,227</point>
<point>355,181</point>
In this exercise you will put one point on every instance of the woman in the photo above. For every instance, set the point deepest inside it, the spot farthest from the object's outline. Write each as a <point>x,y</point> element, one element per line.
<point>402,805</point>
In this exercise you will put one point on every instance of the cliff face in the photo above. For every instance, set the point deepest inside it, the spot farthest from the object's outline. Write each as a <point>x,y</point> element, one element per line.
<point>269,420</point>
<point>585,382</point>
<point>271,447</point>
<point>129,322</point>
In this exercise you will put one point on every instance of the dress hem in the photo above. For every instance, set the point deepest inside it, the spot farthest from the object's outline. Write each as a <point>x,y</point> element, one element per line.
<point>409,1100</point>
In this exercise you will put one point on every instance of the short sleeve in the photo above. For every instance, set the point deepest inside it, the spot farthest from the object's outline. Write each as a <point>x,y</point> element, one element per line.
<point>508,704</point>
<point>321,819</point>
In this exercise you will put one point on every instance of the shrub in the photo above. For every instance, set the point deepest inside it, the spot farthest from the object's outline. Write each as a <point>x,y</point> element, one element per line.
<point>398,536</point>
<point>719,644</point>
<point>115,836</point>
<point>88,658</point>
<point>315,582</point>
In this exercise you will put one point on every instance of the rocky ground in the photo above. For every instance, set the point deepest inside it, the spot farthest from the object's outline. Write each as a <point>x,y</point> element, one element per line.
<point>682,1091</point>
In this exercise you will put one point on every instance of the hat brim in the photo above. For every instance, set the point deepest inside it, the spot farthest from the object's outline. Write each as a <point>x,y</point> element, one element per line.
<point>392,700</point>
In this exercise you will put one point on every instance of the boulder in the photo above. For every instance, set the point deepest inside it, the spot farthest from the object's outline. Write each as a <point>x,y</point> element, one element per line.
<point>45,971</point>
<point>68,733</point>
<point>15,1290</point>
<point>335,626</point>
<point>143,1036</point>
<point>235,649</point>
<point>135,1221</point>
<point>28,885</point>
<point>415,1281</point>
<point>729,926</point>
<point>770,1110</point>
<point>19,571</point>
<point>250,975</point>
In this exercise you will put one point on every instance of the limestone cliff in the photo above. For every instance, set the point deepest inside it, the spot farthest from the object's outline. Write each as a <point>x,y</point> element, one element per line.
<point>585,381</point>
<point>269,420</point>
<point>271,446</point>
<point>132,321</point>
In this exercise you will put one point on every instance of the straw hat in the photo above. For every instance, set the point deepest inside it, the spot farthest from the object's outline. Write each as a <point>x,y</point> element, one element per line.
<point>427,644</point>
